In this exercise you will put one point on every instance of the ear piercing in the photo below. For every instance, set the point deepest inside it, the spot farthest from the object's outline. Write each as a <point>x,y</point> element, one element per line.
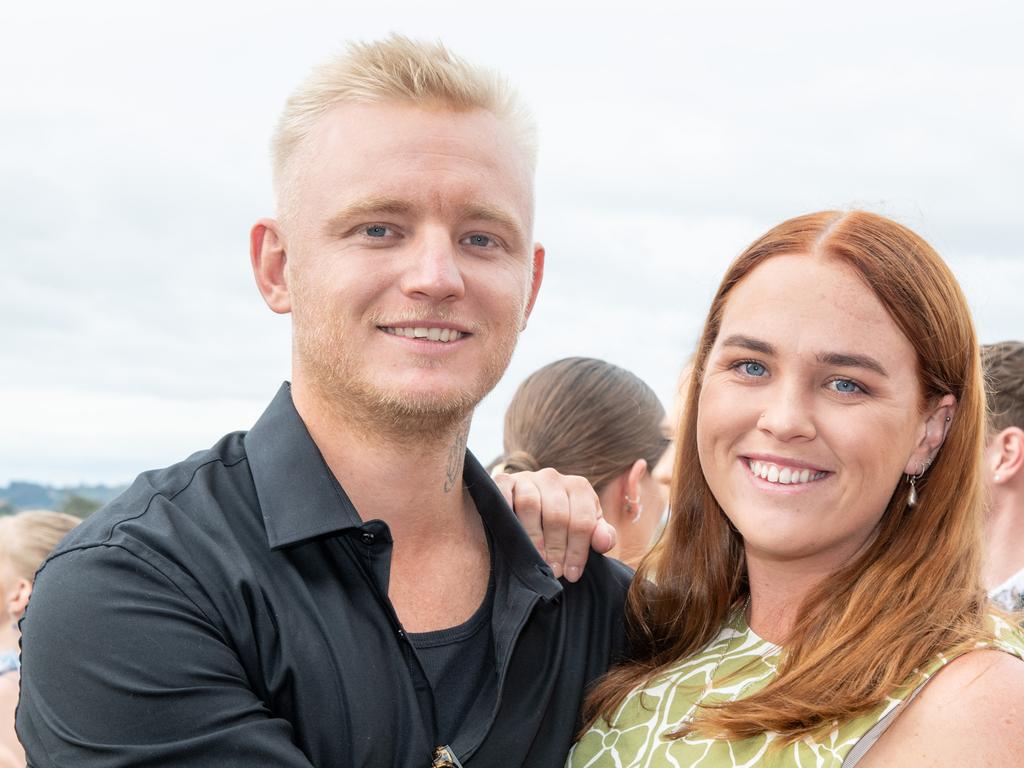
<point>632,504</point>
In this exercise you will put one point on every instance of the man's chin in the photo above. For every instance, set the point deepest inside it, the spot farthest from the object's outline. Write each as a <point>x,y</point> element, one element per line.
<point>422,413</point>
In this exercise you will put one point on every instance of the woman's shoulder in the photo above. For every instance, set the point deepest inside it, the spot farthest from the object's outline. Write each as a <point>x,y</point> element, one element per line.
<point>970,712</point>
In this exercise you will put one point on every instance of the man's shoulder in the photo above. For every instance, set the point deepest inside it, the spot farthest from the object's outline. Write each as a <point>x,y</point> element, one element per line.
<point>189,490</point>
<point>604,579</point>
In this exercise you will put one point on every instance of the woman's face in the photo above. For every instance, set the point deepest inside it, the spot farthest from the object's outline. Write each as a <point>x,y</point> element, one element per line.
<point>809,411</point>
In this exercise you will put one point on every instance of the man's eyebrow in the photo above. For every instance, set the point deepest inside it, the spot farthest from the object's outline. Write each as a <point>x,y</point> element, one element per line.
<point>368,206</point>
<point>848,360</point>
<point>488,213</point>
<point>748,342</point>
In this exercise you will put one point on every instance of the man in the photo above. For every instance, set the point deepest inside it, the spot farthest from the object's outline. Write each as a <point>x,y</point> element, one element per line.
<point>343,585</point>
<point>1004,473</point>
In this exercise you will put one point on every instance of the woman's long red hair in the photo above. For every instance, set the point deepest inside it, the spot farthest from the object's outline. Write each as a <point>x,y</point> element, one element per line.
<point>913,593</point>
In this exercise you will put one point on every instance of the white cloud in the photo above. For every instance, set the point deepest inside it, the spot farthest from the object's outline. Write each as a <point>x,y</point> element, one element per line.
<point>135,160</point>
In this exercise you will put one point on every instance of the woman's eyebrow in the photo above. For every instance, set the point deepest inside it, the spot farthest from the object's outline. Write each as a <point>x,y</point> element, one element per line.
<point>849,360</point>
<point>748,342</point>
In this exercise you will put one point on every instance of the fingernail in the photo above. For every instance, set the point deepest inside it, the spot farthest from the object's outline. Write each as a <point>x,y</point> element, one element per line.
<point>556,569</point>
<point>572,573</point>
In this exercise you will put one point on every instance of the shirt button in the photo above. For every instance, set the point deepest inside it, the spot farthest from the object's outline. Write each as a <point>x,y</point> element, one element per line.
<point>368,539</point>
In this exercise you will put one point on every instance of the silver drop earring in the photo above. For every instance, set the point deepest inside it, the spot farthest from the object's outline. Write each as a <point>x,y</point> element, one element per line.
<point>912,496</point>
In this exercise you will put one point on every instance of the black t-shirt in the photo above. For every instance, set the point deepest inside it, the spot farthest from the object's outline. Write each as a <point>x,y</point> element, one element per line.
<point>231,610</point>
<point>459,663</point>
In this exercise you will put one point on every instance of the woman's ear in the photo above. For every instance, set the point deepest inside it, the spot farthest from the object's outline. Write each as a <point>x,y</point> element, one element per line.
<point>634,508</point>
<point>17,600</point>
<point>934,428</point>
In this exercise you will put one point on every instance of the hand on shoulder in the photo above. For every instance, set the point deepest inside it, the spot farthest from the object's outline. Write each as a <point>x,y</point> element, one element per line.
<point>970,713</point>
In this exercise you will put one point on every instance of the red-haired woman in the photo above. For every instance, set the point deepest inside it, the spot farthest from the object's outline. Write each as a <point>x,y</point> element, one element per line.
<point>816,599</point>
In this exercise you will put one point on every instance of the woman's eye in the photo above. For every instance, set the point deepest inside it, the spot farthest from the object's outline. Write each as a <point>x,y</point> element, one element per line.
<point>845,386</point>
<point>753,369</point>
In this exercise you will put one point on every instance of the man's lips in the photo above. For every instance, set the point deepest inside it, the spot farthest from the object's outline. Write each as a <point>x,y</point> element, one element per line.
<point>442,332</point>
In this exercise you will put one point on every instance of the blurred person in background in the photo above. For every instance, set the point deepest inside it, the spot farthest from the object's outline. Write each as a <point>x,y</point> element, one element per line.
<point>26,539</point>
<point>1003,363</point>
<point>586,417</point>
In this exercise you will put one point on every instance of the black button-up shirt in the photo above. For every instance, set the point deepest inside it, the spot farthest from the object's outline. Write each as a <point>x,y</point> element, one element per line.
<point>232,610</point>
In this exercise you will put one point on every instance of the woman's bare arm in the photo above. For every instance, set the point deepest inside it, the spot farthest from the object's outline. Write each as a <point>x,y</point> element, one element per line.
<point>970,713</point>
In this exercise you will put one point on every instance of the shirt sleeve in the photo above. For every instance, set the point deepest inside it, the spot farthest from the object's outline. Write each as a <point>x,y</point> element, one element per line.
<point>121,668</point>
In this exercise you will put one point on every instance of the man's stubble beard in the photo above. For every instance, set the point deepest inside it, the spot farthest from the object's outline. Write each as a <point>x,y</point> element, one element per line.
<point>332,368</point>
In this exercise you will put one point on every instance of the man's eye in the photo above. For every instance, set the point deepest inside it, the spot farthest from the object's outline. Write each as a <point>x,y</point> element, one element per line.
<point>376,230</point>
<point>480,241</point>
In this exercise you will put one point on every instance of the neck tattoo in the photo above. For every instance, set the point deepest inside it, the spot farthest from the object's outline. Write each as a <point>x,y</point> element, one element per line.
<point>456,458</point>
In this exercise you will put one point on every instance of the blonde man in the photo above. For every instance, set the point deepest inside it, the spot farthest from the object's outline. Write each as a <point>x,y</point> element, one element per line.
<point>343,585</point>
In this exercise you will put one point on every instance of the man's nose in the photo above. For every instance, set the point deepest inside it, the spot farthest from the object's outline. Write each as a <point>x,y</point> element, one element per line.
<point>434,271</point>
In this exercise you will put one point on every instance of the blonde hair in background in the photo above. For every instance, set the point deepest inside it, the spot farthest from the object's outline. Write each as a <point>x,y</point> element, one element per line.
<point>915,592</point>
<point>395,69</point>
<point>26,538</point>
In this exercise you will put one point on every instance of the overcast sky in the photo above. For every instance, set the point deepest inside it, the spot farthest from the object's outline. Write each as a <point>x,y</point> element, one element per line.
<point>134,160</point>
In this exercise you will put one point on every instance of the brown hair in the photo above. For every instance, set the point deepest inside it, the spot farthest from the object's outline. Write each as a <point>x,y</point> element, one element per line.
<point>1003,363</point>
<point>26,538</point>
<point>585,417</point>
<point>916,589</point>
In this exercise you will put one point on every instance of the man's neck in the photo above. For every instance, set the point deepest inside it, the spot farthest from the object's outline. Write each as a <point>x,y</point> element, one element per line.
<point>440,560</point>
<point>1004,536</point>
<point>413,483</point>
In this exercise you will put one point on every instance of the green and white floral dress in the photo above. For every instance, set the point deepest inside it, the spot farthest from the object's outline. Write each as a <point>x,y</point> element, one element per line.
<point>735,664</point>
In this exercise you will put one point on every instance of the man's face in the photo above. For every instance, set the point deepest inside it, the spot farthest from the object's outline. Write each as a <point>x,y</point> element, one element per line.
<point>409,261</point>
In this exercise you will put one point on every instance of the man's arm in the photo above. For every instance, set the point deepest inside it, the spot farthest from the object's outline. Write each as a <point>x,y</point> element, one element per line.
<point>121,668</point>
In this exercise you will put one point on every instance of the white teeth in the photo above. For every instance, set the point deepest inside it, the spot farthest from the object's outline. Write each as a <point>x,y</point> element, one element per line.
<point>421,332</point>
<point>783,476</point>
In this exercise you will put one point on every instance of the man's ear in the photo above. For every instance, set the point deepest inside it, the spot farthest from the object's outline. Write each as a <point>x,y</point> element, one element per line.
<point>269,258</point>
<point>1007,452</point>
<point>937,420</point>
<point>537,278</point>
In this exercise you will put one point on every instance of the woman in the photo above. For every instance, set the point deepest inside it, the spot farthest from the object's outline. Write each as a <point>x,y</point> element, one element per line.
<point>822,560</point>
<point>25,540</point>
<point>590,418</point>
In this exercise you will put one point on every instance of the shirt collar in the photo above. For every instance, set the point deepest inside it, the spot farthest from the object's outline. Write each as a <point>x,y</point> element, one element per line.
<point>301,499</point>
<point>299,496</point>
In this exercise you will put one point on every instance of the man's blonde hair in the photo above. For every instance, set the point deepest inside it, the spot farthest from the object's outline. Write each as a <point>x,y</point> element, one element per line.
<point>395,69</point>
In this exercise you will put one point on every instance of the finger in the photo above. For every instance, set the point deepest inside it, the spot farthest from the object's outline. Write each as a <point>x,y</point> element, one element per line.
<point>584,516</point>
<point>505,484</point>
<point>604,538</point>
<point>554,518</point>
<point>526,503</point>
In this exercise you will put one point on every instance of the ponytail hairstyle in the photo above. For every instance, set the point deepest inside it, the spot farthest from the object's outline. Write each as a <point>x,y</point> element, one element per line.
<point>585,417</point>
<point>916,589</point>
